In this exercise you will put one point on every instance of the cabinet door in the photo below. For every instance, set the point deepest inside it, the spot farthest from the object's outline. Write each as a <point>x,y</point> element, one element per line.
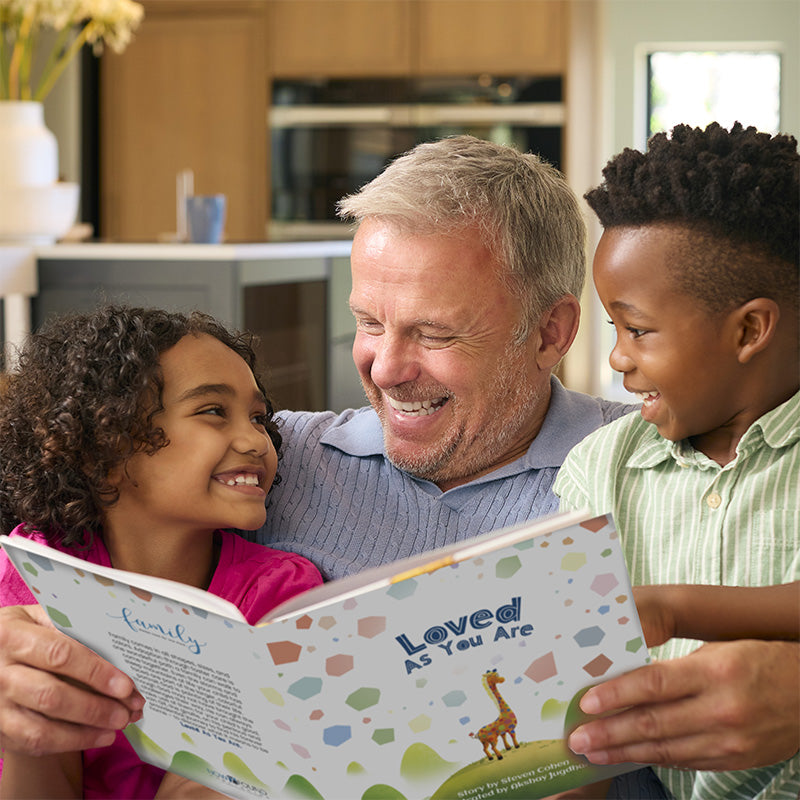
<point>189,92</point>
<point>501,36</point>
<point>339,38</point>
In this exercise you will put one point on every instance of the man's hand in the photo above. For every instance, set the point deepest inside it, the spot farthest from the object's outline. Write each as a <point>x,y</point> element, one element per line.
<point>726,706</point>
<point>55,694</point>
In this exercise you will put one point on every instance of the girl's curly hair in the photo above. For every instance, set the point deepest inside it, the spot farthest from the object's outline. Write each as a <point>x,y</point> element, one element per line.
<point>80,402</point>
<point>736,193</point>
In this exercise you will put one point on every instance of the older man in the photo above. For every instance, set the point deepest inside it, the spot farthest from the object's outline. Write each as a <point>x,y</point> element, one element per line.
<point>467,262</point>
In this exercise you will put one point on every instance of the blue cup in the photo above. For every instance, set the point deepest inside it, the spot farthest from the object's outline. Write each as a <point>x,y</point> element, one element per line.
<point>205,218</point>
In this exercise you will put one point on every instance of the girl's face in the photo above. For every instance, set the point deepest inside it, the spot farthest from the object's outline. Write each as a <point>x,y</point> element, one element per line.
<point>219,463</point>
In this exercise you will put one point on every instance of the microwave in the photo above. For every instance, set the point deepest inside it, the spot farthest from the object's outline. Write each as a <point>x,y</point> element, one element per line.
<point>329,137</point>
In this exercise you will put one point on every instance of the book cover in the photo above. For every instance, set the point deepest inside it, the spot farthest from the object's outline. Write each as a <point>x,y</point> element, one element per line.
<point>454,674</point>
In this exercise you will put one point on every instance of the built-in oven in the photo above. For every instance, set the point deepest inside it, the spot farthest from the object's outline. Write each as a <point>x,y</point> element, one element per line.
<point>329,137</point>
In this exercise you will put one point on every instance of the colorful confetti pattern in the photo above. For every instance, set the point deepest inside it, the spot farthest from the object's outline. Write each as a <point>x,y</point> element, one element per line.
<point>375,696</point>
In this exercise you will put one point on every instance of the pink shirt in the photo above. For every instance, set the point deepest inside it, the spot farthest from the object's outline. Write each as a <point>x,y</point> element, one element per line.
<point>253,577</point>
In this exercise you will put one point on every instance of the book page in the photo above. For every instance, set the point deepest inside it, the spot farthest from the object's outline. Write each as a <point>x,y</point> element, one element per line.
<point>452,682</point>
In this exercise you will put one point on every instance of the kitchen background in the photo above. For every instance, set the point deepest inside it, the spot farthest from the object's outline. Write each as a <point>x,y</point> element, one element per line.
<point>284,105</point>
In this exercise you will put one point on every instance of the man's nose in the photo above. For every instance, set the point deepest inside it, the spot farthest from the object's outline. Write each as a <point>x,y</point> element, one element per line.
<point>394,361</point>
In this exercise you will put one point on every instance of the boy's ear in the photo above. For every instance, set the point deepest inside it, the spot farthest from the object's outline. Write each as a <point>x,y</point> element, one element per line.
<point>557,329</point>
<point>757,321</point>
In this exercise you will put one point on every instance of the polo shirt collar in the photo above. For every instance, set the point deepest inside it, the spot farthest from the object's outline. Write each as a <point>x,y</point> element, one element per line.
<point>570,417</point>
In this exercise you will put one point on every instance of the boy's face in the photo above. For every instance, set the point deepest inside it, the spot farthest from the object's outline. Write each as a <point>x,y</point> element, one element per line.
<point>677,356</point>
<point>219,463</point>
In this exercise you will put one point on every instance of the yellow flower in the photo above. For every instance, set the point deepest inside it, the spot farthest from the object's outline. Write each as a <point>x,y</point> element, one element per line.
<point>98,22</point>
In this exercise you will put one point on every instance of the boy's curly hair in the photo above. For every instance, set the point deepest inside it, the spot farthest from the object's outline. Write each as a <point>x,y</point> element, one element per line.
<point>737,195</point>
<point>81,402</point>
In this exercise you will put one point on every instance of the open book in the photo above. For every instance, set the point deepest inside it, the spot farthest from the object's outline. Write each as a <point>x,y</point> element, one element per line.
<point>453,674</point>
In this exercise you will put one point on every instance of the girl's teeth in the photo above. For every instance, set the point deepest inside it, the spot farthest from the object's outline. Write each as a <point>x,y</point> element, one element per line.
<point>243,480</point>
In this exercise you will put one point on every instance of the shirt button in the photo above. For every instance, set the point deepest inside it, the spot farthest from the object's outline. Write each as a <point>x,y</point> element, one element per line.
<point>713,500</point>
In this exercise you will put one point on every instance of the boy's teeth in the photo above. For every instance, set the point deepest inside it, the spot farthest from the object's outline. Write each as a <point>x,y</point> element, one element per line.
<point>644,397</point>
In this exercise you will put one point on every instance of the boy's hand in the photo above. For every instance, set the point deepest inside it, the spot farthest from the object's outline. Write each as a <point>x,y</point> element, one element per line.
<point>55,694</point>
<point>726,706</point>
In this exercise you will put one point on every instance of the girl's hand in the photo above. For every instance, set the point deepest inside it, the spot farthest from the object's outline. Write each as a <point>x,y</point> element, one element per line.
<point>179,788</point>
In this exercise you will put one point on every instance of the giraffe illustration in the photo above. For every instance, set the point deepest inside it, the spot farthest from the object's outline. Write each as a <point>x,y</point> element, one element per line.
<point>506,723</point>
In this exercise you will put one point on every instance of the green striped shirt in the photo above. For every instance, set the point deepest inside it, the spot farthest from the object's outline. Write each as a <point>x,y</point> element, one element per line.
<point>683,518</point>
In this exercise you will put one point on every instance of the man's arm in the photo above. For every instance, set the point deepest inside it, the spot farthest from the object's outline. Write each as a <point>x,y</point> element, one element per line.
<point>55,694</point>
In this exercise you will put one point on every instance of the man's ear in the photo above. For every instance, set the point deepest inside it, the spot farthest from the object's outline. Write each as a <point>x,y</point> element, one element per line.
<point>557,329</point>
<point>756,321</point>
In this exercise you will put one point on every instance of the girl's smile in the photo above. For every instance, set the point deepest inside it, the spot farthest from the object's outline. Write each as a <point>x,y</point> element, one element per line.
<point>214,472</point>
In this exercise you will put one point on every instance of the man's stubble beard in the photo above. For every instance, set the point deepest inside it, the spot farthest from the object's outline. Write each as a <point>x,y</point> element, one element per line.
<point>444,461</point>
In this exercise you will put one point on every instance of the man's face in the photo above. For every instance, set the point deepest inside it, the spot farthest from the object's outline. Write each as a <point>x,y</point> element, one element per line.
<point>434,347</point>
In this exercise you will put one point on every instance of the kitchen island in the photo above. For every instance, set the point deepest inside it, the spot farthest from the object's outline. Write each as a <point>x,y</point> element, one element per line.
<point>293,295</point>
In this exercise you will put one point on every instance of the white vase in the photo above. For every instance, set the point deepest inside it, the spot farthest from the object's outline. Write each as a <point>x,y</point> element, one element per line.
<point>35,208</point>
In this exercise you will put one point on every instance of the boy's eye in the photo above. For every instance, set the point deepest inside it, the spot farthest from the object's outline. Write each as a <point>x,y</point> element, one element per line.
<point>635,332</point>
<point>214,411</point>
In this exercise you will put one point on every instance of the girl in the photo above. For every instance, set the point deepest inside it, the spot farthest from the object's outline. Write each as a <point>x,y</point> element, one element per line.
<point>131,438</point>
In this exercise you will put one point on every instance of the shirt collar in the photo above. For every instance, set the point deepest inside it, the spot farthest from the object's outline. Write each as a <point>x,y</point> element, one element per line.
<point>570,417</point>
<point>779,427</point>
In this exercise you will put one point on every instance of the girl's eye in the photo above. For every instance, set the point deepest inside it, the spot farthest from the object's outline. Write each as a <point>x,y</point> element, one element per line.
<point>262,420</point>
<point>214,411</point>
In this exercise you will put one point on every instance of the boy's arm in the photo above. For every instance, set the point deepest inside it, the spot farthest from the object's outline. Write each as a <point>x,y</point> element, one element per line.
<point>58,777</point>
<point>718,613</point>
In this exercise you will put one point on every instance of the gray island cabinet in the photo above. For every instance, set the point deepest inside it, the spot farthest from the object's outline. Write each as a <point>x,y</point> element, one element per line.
<point>293,296</point>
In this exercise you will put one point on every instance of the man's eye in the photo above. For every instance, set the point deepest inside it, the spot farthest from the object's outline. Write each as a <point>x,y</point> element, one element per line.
<point>435,341</point>
<point>369,326</point>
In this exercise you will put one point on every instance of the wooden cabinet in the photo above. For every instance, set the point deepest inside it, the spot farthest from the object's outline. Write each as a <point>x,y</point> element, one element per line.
<point>339,38</point>
<point>463,37</point>
<point>191,91</point>
<point>379,38</point>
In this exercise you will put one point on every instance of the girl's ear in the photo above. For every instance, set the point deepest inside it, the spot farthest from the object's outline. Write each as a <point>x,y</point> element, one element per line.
<point>757,321</point>
<point>557,329</point>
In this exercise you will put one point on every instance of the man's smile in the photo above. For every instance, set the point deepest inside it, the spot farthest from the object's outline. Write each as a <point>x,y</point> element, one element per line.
<point>417,408</point>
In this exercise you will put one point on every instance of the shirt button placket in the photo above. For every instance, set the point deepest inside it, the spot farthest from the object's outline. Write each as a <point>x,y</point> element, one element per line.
<point>713,500</point>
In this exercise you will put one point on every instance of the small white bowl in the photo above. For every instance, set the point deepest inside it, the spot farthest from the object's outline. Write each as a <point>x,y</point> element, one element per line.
<point>37,214</point>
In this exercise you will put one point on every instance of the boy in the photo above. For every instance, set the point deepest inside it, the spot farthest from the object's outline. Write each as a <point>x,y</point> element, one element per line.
<point>698,270</point>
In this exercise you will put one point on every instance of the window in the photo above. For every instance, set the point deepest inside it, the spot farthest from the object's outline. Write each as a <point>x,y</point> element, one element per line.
<point>698,87</point>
